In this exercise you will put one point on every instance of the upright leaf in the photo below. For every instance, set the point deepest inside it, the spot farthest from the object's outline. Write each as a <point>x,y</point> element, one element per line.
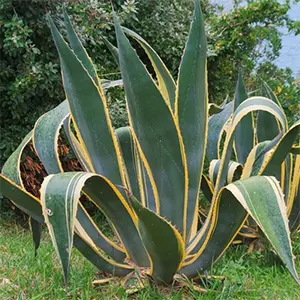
<point>89,111</point>
<point>156,134</point>
<point>244,133</point>
<point>78,48</point>
<point>130,156</point>
<point>267,126</point>
<point>165,81</point>
<point>191,109</point>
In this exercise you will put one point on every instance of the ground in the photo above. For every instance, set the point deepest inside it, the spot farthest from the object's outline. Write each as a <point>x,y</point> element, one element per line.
<point>22,276</point>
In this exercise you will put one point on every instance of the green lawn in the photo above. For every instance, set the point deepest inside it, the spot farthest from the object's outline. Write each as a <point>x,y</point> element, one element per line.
<point>248,276</point>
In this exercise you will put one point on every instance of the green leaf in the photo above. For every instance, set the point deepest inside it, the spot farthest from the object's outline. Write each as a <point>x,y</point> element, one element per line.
<point>97,236</point>
<point>103,264</point>
<point>32,206</point>
<point>78,148</point>
<point>244,133</point>
<point>130,159</point>
<point>21,198</point>
<point>296,150</point>
<point>163,243</point>
<point>191,109</point>
<point>281,150</point>
<point>215,109</point>
<point>36,231</point>
<point>78,49</point>
<point>264,201</point>
<point>113,50</point>
<point>216,125</point>
<point>45,137</point>
<point>262,198</point>
<point>207,188</point>
<point>267,126</point>
<point>256,159</point>
<point>89,111</point>
<point>293,204</point>
<point>156,134</point>
<point>165,80</point>
<point>11,168</point>
<point>246,107</point>
<point>60,194</point>
<point>234,171</point>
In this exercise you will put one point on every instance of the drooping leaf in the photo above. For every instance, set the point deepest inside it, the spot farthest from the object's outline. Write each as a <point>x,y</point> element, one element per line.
<point>91,231</point>
<point>11,168</point>
<point>234,171</point>
<point>21,198</point>
<point>262,198</point>
<point>60,195</point>
<point>45,137</point>
<point>36,231</point>
<point>246,107</point>
<point>281,150</point>
<point>92,253</point>
<point>32,206</point>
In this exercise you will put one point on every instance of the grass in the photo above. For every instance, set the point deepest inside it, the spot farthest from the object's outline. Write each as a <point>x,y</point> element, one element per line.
<point>248,276</point>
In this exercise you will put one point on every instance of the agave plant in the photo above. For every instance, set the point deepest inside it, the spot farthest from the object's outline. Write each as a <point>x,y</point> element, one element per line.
<point>146,178</point>
<point>261,129</point>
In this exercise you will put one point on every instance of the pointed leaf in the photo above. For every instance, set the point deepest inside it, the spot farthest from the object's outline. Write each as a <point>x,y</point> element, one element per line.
<point>244,133</point>
<point>191,108</point>
<point>21,198</point>
<point>163,243</point>
<point>165,81</point>
<point>129,154</point>
<point>156,134</point>
<point>36,231</point>
<point>267,126</point>
<point>262,198</point>
<point>11,168</point>
<point>78,48</point>
<point>60,194</point>
<point>89,112</point>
